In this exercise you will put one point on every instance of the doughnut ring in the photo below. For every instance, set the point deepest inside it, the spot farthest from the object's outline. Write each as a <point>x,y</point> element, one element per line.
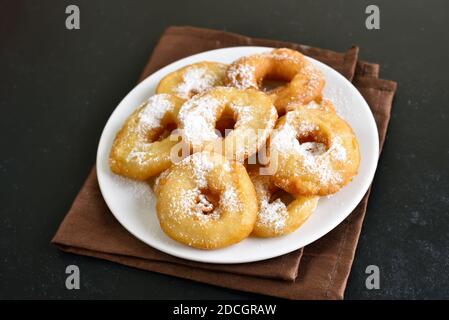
<point>315,152</point>
<point>141,148</point>
<point>305,82</point>
<point>193,79</point>
<point>206,201</point>
<point>250,111</point>
<point>275,218</point>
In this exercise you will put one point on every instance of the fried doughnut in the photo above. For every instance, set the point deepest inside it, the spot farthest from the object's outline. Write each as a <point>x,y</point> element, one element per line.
<point>141,148</point>
<point>206,201</point>
<point>251,110</point>
<point>193,79</point>
<point>274,217</point>
<point>316,151</point>
<point>304,82</point>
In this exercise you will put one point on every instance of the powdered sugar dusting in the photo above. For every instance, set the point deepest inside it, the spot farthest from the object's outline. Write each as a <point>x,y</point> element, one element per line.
<point>156,107</point>
<point>148,118</point>
<point>245,113</point>
<point>197,117</point>
<point>229,199</point>
<point>306,126</point>
<point>241,76</point>
<point>337,151</point>
<point>137,156</point>
<point>201,166</point>
<point>283,56</point>
<point>342,105</point>
<point>315,157</point>
<point>194,202</point>
<point>195,80</point>
<point>140,191</point>
<point>314,79</point>
<point>314,148</point>
<point>251,139</point>
<point>204,204</point>
<point>272,215</point>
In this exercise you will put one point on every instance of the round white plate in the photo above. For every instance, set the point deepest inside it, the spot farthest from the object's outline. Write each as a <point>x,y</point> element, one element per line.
<point>133,203</point>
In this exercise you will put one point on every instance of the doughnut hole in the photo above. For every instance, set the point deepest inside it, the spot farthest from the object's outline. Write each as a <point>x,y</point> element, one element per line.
<point>208,201</point>
<point>285,197</point>
<point>226,122</point>
<point>315,141</point>
<point>168,125</point>
<point>270,85</point>
<point>274,75</point>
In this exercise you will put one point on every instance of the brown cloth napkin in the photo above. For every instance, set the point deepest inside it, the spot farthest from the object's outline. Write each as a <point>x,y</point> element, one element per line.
<point>318,271</point>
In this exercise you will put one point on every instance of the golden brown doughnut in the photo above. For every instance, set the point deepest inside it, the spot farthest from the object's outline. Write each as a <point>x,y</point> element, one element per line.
<point>251,110</point>
<point>193,79</point>
<point>275,217</point>
<point>316,152</point>
<point>305,82</point>
<point>206,201</point>
<point>141,148</point>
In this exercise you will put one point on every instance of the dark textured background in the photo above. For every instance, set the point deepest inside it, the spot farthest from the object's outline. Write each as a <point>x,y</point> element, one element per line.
<point>58,87</point>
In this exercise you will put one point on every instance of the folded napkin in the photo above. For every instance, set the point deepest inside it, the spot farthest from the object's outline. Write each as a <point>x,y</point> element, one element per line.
<point>318,271</point>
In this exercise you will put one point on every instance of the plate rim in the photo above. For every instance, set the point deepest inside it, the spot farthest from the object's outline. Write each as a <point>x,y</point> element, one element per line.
<point>239,259</point>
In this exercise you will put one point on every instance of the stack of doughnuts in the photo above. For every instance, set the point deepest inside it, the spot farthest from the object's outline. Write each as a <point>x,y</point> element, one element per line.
<point>233,156</point>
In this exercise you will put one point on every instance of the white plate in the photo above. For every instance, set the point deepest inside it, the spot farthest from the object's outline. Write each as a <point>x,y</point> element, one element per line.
<point>133,203</point>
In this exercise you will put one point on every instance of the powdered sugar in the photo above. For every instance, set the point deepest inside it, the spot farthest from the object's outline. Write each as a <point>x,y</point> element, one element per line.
<point>314,148</point>
<point>137,156</point>
<point>245,113</point>
<point>324,105</point>
<point>197,117</point>
<point>204,205</point>
<point>241,76</point>
<point>284,139</point>
<point>312,105</point>
<point>241,73</point>
<point>315,157</point>
<point>140,191</point>
<point>337,151</point>
<point>343,106</point>
<point>281,55</point>
<point>193,201</point>
<point>314,79</point>
<point>148,118</point>
<point>306,127</point>
<point>227,167</point>
<point>155,109</point>
<point>229,199</point>
<point>272,215</point>
<point>201,167</point>
<point>195,80</point>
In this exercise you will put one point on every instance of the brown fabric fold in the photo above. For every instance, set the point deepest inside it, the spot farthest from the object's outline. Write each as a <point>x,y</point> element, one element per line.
<point>319,271</point>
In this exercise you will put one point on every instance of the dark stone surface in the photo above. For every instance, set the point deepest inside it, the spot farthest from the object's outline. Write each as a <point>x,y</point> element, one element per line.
<point>58,87</point>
